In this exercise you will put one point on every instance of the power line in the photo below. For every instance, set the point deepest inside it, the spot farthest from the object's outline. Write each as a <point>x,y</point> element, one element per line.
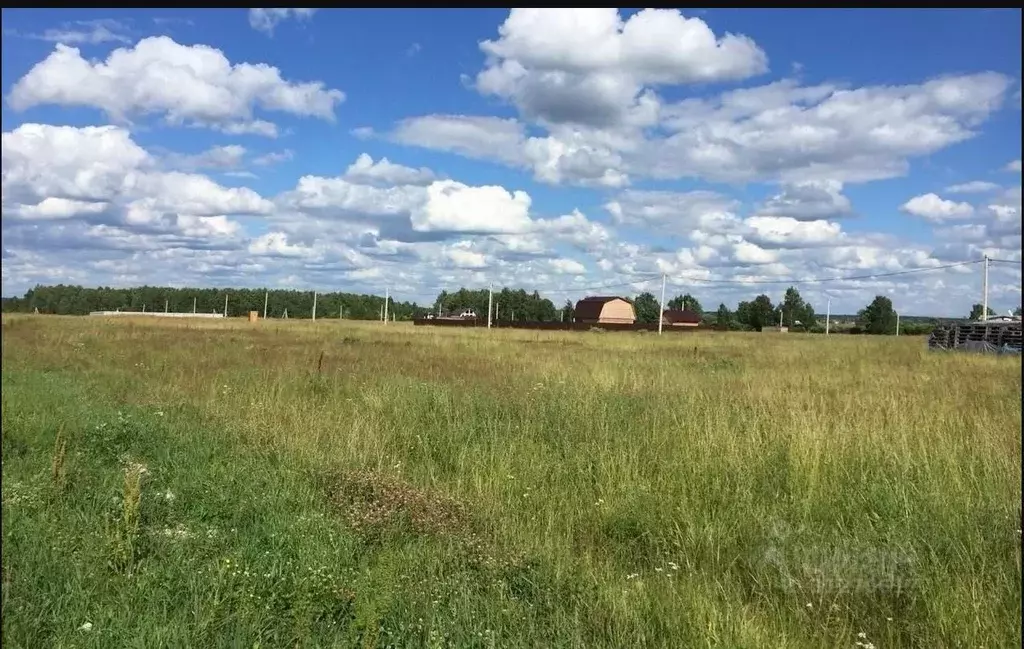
<point>1004,261</point>
<point>639,279</point>
<point>823,280</point>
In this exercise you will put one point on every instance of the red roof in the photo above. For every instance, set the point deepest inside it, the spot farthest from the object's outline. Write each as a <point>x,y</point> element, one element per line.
<point>681,315</point>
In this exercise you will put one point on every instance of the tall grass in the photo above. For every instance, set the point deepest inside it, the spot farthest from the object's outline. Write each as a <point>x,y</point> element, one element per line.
<point>345,484</point>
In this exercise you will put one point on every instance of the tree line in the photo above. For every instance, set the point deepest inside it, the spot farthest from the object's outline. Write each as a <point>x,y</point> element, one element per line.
<point>879,317</point>
<point>77,300</point>
<point>793,311</point>
<point>508,304</point>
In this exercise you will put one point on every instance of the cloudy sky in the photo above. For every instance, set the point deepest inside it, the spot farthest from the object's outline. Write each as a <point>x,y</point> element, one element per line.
<point>572,151</point>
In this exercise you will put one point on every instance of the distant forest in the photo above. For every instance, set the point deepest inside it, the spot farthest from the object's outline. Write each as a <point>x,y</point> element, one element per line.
<point>508,304</point>
<point>76,300</point>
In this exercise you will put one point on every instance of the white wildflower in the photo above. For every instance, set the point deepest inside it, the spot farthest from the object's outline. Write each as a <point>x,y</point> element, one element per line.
<point>86,627</point>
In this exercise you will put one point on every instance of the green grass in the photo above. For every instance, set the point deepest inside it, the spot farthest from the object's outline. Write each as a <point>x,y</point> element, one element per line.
<point>203,485</point>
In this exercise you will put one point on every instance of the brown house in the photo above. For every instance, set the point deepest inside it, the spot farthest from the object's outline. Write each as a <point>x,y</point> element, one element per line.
<point>605,310</point>
<point>680,318</point>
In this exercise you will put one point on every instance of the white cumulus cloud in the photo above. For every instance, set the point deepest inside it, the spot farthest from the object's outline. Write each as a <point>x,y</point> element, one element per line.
<point>931,207</point>
<point>101,175</point>
<point>589,66</point>
<point>454,207</point>
<point>384,172</point>
<point>194,85</point>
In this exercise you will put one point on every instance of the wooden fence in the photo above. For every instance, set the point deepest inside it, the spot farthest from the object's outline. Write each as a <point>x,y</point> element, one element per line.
<point>554,326</point>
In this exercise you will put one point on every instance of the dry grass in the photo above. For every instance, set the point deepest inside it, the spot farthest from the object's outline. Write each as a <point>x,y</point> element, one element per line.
<point>626,490</point>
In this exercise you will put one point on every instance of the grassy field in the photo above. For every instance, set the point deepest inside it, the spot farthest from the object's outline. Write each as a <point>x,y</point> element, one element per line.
<point>334,484</point>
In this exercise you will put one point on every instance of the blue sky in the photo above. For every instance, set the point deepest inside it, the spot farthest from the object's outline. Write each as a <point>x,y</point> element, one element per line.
<point>567,151</point>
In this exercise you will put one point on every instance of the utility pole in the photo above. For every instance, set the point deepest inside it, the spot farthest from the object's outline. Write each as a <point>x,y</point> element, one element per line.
<point>193,306</point>
<point>266,301</point>
<point>828,314</point>
<point>167,304</point>
<point>341,312</point>
<point>984,293</point>
<point>897,324</point>
<point>387,298</point>
<point>490,303</point>
<point>314,305</point>
<point>661,310</point>
<point>225,305</point>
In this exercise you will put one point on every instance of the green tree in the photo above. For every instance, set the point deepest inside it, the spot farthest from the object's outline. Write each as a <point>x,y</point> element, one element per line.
<point>795,309</point>
<point>756,314</point>
<point>809,320</point>
<point>723,318</point>
<point>686,303</point>
<point>976,311</point>
<point>568,311</point>
<point>878,317</point>
<point>646,307</point>
<point>792,307</point>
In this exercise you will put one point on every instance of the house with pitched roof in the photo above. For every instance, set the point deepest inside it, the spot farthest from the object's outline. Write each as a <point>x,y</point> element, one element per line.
<point>605,310</point>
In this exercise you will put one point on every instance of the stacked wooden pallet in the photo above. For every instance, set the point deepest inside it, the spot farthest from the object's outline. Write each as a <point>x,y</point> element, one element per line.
<point>999,334</point>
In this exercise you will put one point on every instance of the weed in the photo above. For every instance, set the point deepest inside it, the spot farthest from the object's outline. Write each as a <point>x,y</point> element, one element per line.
<point>58,464</point>
<point>124,533</point>
<point>373,503</point>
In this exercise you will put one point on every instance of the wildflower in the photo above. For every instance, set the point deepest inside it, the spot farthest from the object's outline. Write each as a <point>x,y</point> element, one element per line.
<point>809,605</point>
<point>673,565</point>
<point>169,496</point>
<point>862,635</point>
<point>86,627</point>
<point>632,575</point>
